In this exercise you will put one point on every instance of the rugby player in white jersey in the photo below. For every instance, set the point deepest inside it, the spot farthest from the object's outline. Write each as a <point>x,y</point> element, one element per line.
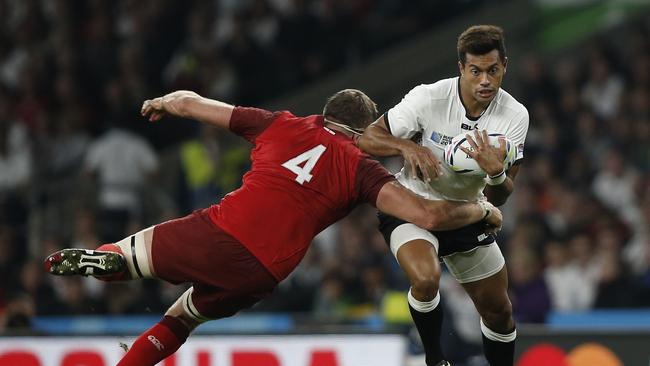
<point>472,103</point>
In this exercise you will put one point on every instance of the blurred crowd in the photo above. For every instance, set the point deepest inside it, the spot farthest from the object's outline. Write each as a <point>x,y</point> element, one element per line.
<point>582,209</point>
<point>79,167</point>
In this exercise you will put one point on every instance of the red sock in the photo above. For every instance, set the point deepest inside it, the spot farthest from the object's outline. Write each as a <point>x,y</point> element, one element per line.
<point>122,276</point>
<point>157,343</point>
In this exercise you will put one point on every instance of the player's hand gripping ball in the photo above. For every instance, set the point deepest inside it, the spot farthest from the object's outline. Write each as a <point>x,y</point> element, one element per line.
<point>461,163</point>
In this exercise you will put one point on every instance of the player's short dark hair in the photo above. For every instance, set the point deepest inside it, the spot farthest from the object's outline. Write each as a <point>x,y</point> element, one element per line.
<point>481,39</point>
<point>351,107</point>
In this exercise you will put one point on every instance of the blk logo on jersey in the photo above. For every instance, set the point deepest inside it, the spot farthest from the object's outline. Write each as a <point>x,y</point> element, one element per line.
<point>467,127</point>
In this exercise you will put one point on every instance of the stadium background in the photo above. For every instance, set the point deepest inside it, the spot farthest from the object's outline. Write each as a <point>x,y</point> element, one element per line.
<point>73,75</point>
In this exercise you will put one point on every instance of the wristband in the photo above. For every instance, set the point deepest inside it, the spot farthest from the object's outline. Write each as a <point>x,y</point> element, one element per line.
<point>495,180</point>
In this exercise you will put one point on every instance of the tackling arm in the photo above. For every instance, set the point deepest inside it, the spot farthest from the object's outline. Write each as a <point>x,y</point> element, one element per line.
<point>395,200</point>
<point>377,140</point>
<point>188,104</point>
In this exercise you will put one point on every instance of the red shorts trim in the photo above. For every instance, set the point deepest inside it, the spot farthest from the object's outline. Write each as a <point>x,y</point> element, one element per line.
<point>225,275</point>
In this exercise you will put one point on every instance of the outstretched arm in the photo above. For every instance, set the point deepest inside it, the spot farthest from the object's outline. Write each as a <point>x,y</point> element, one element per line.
<point>378,141</point>
<point>188,104</point>
<point>396,200</point>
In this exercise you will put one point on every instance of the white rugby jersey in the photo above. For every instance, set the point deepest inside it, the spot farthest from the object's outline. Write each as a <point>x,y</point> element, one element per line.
<point>437,112</point>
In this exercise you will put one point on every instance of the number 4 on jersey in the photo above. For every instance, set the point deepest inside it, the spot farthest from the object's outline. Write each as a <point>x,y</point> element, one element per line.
<point>310,156</point>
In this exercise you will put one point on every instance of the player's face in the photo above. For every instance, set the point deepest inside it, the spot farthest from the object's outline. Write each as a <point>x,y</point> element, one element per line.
<point>482,75</point>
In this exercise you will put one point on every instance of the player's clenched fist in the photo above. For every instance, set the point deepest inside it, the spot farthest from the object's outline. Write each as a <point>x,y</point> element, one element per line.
<point>153,108</point>
<point>157,108</point>
<point>493,217</point>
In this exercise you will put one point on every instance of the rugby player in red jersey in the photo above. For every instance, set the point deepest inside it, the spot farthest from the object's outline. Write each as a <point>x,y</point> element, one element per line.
<point>306,174</point>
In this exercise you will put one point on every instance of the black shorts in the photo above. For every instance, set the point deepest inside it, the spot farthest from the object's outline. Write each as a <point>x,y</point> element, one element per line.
<point>450,241</point>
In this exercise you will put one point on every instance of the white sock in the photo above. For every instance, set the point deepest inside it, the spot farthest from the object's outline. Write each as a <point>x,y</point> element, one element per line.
<point>497,337</point>
<point>423,306</point>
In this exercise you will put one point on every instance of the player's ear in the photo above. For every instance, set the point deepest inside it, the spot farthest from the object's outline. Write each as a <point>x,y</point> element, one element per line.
<point>460,67</point>
<point>505,65</point>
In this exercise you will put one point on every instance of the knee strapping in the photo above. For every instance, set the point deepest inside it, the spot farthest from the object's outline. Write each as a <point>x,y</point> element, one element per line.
<point>135,253</point>
<point>189,308</point>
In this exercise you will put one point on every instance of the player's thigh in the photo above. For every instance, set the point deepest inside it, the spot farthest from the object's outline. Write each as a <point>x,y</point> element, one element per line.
<point>398,233</point>
<point>415,249</point>
<point>175,250</point>
<point>419,260</point>
<point>193,249</point>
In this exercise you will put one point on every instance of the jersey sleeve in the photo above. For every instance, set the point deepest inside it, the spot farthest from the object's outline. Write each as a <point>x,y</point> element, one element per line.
<point>405,119</point>
<point>249,122</point>
<point>518,133</point>
<point>371,176</point>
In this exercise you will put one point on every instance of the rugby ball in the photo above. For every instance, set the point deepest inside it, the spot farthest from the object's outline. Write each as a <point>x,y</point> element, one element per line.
<point>462,163</point>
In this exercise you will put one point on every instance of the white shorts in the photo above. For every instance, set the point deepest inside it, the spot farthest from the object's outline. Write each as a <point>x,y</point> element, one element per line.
<point>473,265</point>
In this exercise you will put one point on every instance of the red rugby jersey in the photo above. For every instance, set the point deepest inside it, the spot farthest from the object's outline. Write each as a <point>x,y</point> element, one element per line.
<point>304,177</point>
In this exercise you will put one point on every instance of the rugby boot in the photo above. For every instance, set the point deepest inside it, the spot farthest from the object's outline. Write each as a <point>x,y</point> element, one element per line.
<point>85,262</point>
